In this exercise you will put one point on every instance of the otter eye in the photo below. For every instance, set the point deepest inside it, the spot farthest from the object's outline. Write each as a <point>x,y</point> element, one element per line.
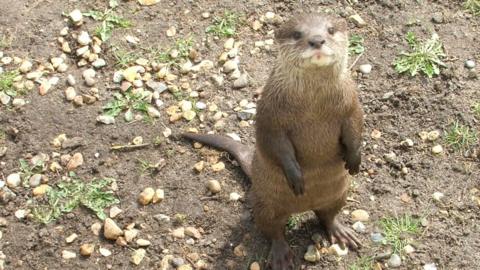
<point>297,35</point>
<point>331,30</point>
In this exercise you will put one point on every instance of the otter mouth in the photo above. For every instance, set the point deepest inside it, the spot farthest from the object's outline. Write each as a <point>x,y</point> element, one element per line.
<point>320,57</point>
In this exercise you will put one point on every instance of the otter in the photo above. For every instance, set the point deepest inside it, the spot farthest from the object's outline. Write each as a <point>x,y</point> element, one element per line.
<point>308,134</point>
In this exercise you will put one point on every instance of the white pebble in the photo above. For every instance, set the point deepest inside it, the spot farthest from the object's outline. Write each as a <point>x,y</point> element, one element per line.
<point>365,68</point>
<point>469,64</point>
<point>84,38</point>
<point>437,196</point>
<point>234,196</point>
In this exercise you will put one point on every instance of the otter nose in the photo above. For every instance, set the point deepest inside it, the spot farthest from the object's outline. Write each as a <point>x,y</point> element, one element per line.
<point>316,42</point>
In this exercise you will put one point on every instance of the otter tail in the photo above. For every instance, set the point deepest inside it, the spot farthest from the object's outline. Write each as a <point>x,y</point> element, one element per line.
<point>242,153</point>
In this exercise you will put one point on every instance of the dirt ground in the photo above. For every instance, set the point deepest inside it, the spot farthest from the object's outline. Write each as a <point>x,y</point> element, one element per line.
<point>450,232</point>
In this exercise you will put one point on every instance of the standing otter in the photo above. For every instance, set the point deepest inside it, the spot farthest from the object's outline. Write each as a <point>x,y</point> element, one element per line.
<point>308,134</point>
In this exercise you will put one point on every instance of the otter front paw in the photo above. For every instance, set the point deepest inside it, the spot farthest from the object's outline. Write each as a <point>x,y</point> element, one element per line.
<point>352,162</point>
<point>295,179</point>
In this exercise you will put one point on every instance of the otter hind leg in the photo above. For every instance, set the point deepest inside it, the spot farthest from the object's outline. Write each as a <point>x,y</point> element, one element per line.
<point>273,227</point>
<point>335,230</point>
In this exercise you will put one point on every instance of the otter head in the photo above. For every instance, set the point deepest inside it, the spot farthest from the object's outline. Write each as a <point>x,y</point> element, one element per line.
<point>314,41</point>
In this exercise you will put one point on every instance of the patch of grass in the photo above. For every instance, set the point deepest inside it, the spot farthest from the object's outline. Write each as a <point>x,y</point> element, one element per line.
<point>147,166</point>
<point>28,170</point>
<point>127,102</point>
<point>6,82</point>
<point>123,58</point>
<point>362,263</point>
<point>460,136</point>
<point>5,41</point>
<point>182,47</point>
<point>109,20</point>
<point>355,44</point>
<point>67,196</point>
<point>473,6</point>
<point>476,109</point>
<point>425,57</point>
<point>293,222</point>
<point>224,26</point>
<point>398,230</point>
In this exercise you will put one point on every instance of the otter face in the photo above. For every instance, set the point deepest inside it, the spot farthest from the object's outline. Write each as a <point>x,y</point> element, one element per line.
<point>314,40</point>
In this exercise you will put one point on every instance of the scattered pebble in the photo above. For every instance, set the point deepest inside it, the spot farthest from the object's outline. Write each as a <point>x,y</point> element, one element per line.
<point>71,238</point>
<point>365,68</point>
<point>360,215</point>
<point>99,63</point>
<point>312,254</point>
<point>177,262</point>
<point>240,251</point>
<point>76,17</point>
<point>335,249</point>
<point>67,255</point>
<point>146,196</point>
<point>394,261</point>
<point>409,249</point>
<point>95,228</point>
<point>21,213</point>
<point>179,233</point>
<point>143,243</point>
<point>430,266</point>
<point>255,266</point>
<point>359,227</point>
<point>230,66</point>
<point>75,162</point>
<point>234,196</point>
<point>241,82</point>
<point>104,252</point>
<point>214,186</point>
<point>156,86</point>
<point>217,167</point>
<point>130,234</point>
<point>87,249</point>
<point>158,196</point>
<point>148,3</point>
<point>376,134</point>
<point>25,67</point>
<point>470,64</point>
<point>35,180</point>
<point>437,196</point>
<point>192,232</point>
<point>115,211</point>
<point>357,20</point>
<point>433,135</point>
<point>70,93</point>
<point>106,119</point>
<point>84,38</point>
<point>377,237</point>
<point>111,230</point>
<point>437,149</point>
<point>40,190</point>
<point>13,180</point>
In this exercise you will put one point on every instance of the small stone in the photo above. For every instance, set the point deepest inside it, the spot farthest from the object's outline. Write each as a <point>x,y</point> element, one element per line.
<point>152,112</point>
<point>87,249</point>
<point>146,196</point>
<point>44,87</point>
<point>67,255</point>
<point>71,80</point>
<point>130,74</point>
<point>66,48</point>
<point>377,237</point>
<point>99,63</point>
<point>171,31</point>
<point>394,261</point>
<point>409,249</point>
<point>357,20</point>
<point>88,73</point>
<point>376,134</point>
<point>437,17</point>
<point>407,142</point>
<point>130,234</point>
<point>214,186</point>
<point>158,196</point>
<point>104,252</point>
<point>21,213</point>
<point>234,196</point>
<point>162,218</point>
<point>470,64</point>
<point>184,267</point>
<point>189,115</point>
<point>143,243</point>
<point>360,215</point>
<point>25,67</point>
<point>4,98</point>
<point>335,249</point>
<point>359,227</point>
<point>84,38</point>
<point>40,190</point>
<point>218,166</point>
<point>256,25</point>
<point>229,43</point>
<point>95,228</point>
<point>118,77</point>
<point>437,149</point>
<point>192,232</point>
<point>64,31</point>
<point>433,135</point>
<point>75,162</point>
<point>13,180</point>
<point>111,230</point>
<point>71,238</point>
<point>177,262</point>
<point>156,86</point>
<point>430,266</point>
<point>179,233</point>
<point>241,82</point>
<point>76,16</point>
<point>200,105</point>
<point>438,196</point>
<point>18,102</point>
<point>115,211</point>
<point>240,251</point>
<point>230,66</point>
<point>312,254</point>
<point>365,68</point>
<point>199,166</point>
<point>106,119</point>
<point>388,95</point>
<point>148,2</point>
<point>35,180</point>
<point>70,93</point>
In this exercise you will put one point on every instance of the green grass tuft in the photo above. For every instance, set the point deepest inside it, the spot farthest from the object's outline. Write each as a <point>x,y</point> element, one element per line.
<point>476,109</point>
<point>6,82</point>
<point>460,136</point>
<point>355,44</point>
<point>425,57</point>
<point>109,20</point>
<point>473,6</point>
<point>224,26</point>
<point>126,102</point>
<point>398,230</point>
<point>362,263</point>
<point>67,196</point>
<point>293,222</point>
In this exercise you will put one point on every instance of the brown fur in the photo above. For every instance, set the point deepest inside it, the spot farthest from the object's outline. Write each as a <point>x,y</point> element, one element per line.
<point>317,110</point>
